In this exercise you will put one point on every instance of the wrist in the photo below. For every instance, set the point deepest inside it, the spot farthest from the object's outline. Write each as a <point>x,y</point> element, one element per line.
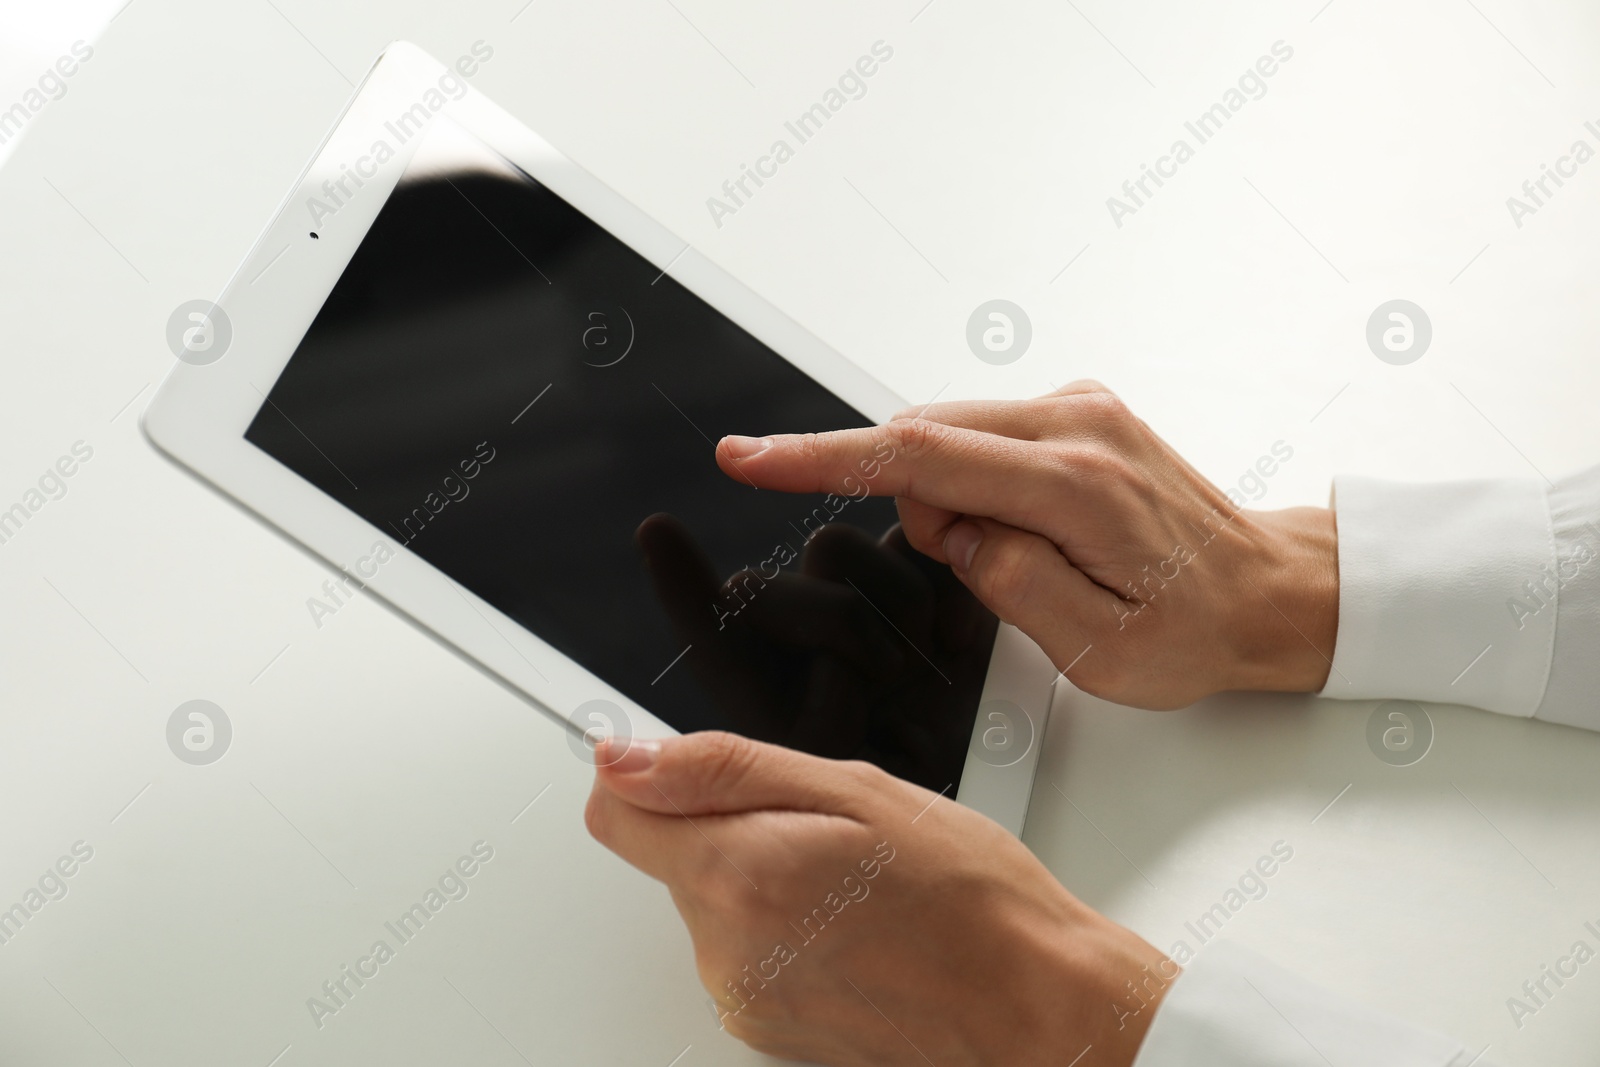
<point>1119,981</point>
<point>1287,611</point>
<point>1072,979</point>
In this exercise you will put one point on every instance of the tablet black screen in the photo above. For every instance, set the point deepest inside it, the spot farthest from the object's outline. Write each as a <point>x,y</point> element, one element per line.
<point>512,393</point>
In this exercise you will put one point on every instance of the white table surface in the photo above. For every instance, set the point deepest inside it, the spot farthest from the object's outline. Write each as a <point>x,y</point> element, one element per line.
<point>1230,311</point>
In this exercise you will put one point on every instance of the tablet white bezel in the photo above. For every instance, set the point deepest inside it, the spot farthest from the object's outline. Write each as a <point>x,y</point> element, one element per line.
<point>200,412</point>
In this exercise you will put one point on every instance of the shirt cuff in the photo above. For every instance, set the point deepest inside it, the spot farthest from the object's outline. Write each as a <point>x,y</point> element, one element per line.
<point>1573,585</point>
<point>1230,1006</point>
<point>1439,593</point>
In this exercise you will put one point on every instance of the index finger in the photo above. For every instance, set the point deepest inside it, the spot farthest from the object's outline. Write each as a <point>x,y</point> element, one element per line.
<point>951,467</point>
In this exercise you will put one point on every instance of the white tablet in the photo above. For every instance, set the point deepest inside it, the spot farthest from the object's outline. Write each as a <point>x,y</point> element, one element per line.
<point>485,388</point>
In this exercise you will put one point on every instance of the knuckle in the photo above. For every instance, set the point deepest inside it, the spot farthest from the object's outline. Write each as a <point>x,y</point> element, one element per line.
<point>914,436</point>
<point>1106,407</point>
<point>1085,386</point>
<point>1004,580</point>
<point>863,776</point>
<point>722,759</point>
<point>809,446</point>
<point>1100,466</point>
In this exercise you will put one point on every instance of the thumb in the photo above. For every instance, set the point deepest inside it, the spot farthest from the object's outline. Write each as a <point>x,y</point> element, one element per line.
<point>1025,580</point>
<point>715,773</point>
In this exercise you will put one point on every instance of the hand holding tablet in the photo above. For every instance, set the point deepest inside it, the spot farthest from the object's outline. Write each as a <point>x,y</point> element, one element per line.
<point>836,897</point>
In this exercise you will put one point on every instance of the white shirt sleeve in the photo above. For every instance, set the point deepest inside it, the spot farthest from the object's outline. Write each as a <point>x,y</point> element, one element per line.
<point>1484,593</point>
<point>1231,1007</point>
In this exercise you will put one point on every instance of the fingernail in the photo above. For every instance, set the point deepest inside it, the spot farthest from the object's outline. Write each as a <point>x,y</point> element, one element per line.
<point>628,755</point>
<point>961,544</point>
<point>745,447</point>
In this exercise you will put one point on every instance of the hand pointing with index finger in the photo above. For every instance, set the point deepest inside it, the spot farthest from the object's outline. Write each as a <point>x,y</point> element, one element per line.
<point>1069,518</point>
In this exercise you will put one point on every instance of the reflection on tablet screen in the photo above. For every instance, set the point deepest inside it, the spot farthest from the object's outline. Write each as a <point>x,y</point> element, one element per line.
<point>529,405</point>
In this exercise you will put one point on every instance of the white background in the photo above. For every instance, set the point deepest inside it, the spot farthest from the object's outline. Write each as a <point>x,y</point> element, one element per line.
<point>1230,311</point>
